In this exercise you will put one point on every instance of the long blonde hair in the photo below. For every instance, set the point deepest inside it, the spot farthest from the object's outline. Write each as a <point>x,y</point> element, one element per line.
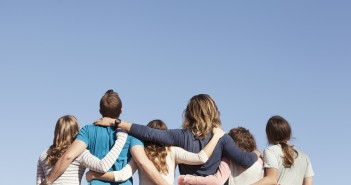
<point>157,153</point>
<point>201,115</point>
<point>278,131</point>
<point>66,130</point>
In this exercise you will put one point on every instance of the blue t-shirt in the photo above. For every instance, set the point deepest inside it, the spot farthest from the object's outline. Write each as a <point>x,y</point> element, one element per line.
<point>99,142</point>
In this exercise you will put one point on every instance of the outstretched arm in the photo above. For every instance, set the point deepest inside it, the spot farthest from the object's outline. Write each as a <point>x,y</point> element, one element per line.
<point>271,177</point>
<point>117,176</point>
<point>217,179</point>
<point>102,166</point>
<point>146,165</point>
<point>62,164</point>
<point>173,137</point>
<point>234,153</point>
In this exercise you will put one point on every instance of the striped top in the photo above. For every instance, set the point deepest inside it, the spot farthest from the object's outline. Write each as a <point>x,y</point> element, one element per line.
<point>74,173</point>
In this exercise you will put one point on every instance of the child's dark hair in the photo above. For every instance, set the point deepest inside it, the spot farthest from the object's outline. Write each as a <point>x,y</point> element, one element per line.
<point>243,138</point>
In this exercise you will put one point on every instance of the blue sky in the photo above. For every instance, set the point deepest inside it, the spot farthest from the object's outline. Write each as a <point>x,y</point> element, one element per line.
<point>255,58</point>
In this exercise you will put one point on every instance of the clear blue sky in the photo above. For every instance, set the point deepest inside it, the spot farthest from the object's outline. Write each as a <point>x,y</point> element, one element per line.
<point>255,58</point>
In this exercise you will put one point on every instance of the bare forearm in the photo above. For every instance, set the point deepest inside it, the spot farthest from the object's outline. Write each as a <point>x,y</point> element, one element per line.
<point>153,175</point>
<point>271,177</point>
<point>125,125</point>
<point>108,176</point>
<point>60,167</point>
<point>307,181</point>
<point>265,181</point>
<point>62,164</point>
<point>146,165</point>
<point>209,148</point>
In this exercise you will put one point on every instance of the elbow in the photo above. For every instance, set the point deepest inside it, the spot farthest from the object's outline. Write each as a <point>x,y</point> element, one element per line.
<point>68,157</point>
<point>104,169</point>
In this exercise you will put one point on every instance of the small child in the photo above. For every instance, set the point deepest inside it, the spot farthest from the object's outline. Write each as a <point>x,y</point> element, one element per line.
<point>237,174</point>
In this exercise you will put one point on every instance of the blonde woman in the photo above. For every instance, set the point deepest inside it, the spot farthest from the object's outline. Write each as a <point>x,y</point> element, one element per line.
<point>164,157</point>
<point>66,130</point>
<point>283,163</point>
<point>200,117</point>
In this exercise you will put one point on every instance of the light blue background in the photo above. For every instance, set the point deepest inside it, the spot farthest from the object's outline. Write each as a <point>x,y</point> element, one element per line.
<point>255,58</point>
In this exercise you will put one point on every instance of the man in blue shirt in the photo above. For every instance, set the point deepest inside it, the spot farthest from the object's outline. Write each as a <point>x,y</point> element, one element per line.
<point>99,140</point>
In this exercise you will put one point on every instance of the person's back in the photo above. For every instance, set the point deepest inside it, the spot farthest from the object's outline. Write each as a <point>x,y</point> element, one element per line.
<point>246,142</point>
<point>99,141</point>
<point>283,163</point>
<point>200,116</point>
<point>66,129</point>
<point>72,175</point>
<point>293,175</point>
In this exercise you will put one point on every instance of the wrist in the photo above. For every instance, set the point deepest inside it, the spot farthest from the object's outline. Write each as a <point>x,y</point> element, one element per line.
<point>117,122</point>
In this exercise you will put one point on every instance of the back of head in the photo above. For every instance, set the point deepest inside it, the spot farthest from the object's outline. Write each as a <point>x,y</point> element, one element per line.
<point>243,138</point>
<point>201,115</point>
<point>278,131</point>
<point>157,153</point>
<point>66,130</point>
<point>110,104</point>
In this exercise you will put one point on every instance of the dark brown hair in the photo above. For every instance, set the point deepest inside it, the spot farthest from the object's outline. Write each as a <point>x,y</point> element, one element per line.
<point>243,138</point>
<point>278,131</point>
<point>201,115</point>
<point>110,104</point>
<point>66,130</point>
<point>157,153</point>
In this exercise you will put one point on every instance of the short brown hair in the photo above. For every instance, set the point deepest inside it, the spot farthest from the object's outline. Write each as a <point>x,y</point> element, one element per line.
<point>110,104</point>
<point>243,138</point>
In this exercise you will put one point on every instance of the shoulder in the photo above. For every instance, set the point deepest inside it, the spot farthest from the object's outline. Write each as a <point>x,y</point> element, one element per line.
<point>302,155</point>
<point>225,139</point>
<point>273,148</point>
<point>134,141</point>
<point>43,155</point>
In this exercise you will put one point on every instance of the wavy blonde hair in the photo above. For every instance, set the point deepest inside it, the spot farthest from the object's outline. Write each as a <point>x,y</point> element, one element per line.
<point>278,131</point>
<point>66,130</point>
<point>201,115</point>
<point>157,153</point>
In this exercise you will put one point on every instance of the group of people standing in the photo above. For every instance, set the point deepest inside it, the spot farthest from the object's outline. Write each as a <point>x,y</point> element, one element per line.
<point>113,150</point>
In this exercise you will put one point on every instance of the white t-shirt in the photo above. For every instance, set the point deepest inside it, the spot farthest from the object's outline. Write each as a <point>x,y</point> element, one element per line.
<point>242,176</point>
<point>294,175</point>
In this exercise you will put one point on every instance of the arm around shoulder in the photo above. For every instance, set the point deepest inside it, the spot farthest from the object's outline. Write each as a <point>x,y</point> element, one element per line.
<point>62,164</point>
<point>146,165</point>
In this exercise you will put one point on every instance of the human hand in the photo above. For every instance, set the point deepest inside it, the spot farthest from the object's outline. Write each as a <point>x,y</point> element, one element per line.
<point>105,121</point>
<point>181,180</point>
<point>258,153</point>
<point>90,175</point>
<point>218,132</point>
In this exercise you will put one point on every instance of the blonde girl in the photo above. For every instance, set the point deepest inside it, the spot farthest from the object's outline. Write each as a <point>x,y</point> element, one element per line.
<point>66,130</point>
